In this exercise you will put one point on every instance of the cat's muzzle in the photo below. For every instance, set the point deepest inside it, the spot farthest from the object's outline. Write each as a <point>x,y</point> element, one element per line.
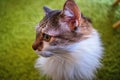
<point>44,53</point>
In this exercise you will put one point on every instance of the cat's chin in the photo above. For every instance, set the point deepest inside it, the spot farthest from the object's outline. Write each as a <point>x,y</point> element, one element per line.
<point>44,53</point>
<point>52,52</point>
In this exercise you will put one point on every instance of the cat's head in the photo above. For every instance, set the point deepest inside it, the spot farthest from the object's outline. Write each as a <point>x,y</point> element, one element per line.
<point>61,28</point>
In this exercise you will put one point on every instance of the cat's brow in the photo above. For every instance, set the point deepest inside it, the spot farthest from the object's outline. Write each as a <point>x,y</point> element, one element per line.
<point>42,24</point>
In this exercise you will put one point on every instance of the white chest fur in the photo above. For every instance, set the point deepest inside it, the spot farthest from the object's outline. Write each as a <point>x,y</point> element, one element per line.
<point>80,64</point>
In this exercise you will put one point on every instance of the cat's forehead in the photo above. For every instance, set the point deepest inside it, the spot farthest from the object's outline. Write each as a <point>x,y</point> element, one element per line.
<point>53,14</point>
<point>50,23</point>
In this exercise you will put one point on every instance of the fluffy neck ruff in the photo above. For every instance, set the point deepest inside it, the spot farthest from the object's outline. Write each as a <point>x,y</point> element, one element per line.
<point>80,64</point>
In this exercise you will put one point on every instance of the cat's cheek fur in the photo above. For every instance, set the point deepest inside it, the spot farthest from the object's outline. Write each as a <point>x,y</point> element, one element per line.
<point>80,63</point>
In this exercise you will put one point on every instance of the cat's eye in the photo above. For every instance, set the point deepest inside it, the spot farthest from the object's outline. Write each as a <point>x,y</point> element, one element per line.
<point>46,37</point>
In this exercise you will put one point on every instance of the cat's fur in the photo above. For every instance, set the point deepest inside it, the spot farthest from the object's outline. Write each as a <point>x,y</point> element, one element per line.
<point>74,51</point>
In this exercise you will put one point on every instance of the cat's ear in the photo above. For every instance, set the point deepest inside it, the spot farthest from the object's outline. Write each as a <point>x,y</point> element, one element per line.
<point>46,10</point>
<point>71,13</point>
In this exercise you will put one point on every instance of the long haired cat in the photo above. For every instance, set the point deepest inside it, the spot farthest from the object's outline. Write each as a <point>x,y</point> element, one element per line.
<point>69,46</point>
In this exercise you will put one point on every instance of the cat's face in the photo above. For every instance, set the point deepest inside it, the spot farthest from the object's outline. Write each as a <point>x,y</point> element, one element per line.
<point>61,28</point>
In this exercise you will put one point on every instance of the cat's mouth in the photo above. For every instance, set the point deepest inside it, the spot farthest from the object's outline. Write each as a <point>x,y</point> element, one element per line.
<point>52,52</point>
<point>44,53</point>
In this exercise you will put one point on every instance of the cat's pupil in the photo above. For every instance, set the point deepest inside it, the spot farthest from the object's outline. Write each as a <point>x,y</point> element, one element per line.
<point>46,37</point>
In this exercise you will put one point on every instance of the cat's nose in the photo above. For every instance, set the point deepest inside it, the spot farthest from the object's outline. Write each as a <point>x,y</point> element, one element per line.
<point>37,46</point>
<point>34,46</point>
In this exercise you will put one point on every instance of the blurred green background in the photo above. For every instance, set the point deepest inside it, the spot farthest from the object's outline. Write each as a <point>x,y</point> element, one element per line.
<point>18,19</point>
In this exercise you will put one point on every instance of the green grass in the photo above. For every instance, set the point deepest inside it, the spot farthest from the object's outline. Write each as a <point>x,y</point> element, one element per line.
<point>18,19</point>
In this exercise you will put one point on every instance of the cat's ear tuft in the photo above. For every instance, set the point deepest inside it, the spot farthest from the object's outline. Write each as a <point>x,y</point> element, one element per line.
<point>71,12</point>
<point>46,10</point>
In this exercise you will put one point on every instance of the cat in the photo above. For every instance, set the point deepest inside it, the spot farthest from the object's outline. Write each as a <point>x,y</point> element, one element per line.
<point>69,47</point>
